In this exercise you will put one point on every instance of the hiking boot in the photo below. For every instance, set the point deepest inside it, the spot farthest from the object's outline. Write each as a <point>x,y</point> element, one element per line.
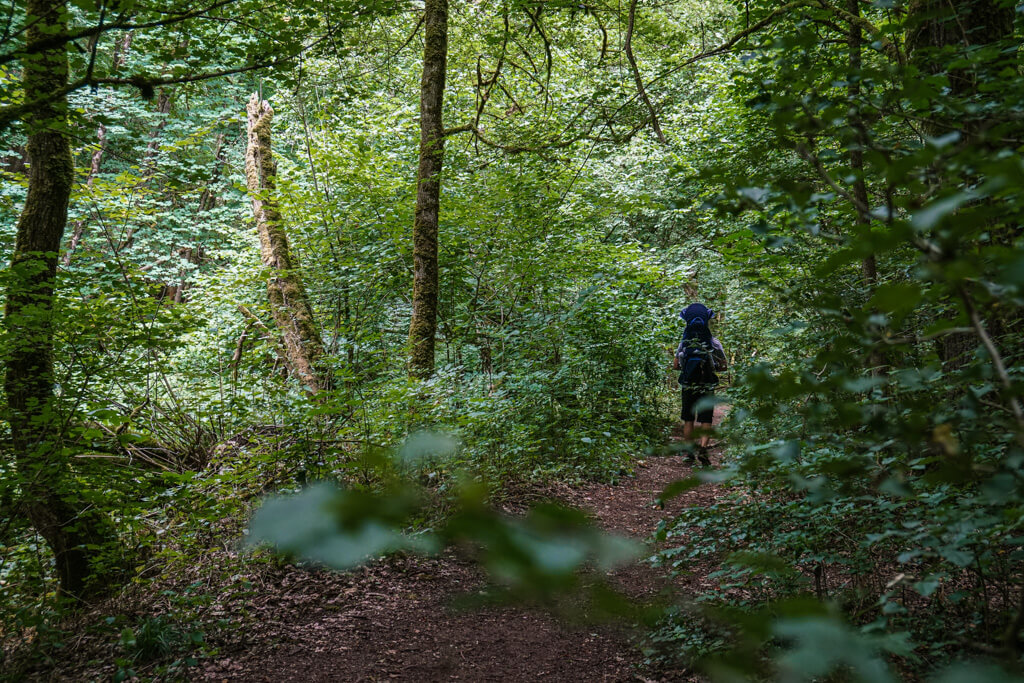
<point>704,458</point>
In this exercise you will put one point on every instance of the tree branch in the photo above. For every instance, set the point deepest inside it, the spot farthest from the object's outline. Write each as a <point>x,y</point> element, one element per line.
<point>888,46</point>
<point>145,84</point>
<point>121,24</point>
<point>997,363</point>
<point>628,46</point>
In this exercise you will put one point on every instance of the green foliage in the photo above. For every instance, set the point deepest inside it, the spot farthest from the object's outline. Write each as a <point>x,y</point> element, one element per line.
<point>870,517</point>
<point>876,454</point>
<point>538,556</point>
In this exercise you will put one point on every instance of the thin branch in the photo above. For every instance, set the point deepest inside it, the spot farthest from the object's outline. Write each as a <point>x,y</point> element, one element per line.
<point>997,362</point>
<point>121,24</point>
<point>888,46</point>
<point>917,339</point>
<point>145,84</point>
<point>628,46</point>
<point>547,147</point>
<point>863,210</point>
<point>485,88</point>
<point>95,43</point>
<point>604,34</point>
<point>268,335</point>
<point>549,62</point>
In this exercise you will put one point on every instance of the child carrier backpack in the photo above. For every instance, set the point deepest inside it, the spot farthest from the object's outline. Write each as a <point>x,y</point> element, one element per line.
<point>697,365</point>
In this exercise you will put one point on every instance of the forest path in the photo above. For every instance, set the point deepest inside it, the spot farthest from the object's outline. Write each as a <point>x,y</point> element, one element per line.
<point>395,620</point>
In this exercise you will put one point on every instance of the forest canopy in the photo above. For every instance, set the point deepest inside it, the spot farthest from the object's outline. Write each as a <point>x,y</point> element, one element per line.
<point>363,280</point>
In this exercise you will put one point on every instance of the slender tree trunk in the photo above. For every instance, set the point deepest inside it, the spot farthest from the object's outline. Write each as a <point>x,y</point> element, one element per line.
<point>120,53</point>
<point>938,24</point>
<point>208,199</point>
<point>860,191</point>
<point>149,157</point>
<point>76,533</point>
<point>423,325</point>
<point>163,108</point>
<point>94,169</point>
<point>194,255</point>
<point>288,303</point>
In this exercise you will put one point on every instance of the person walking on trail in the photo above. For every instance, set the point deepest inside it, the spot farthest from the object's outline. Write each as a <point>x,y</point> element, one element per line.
<point>698,357</point>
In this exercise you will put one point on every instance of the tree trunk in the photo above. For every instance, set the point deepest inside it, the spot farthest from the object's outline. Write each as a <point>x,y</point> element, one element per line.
<point>423,325</point>
<point>937,24</point>
<point>869,269</point>
<point>94,169</point>
<point>288,302</point>
<point>76,532</point>
<point>163,108</point>
<point>149,157</point>
<point>195,255</point>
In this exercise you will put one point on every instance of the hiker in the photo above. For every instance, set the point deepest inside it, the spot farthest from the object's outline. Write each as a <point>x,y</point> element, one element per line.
<point>698,357</point>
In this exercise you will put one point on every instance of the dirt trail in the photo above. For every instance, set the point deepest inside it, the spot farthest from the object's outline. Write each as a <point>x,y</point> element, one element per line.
<point>395,621</point>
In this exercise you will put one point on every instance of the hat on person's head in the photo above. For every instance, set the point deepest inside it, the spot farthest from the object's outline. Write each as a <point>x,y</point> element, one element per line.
<point>694,311</point>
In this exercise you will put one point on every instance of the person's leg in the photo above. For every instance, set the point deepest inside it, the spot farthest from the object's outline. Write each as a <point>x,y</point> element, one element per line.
<point>704,419</point>
<point>702,444</point>
<point>705,440</point>
<point>687,436</point>
<point>686,413</point>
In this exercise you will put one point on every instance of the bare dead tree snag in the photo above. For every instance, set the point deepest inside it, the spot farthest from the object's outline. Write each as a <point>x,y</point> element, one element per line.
<point>423,324</point>
<point>288,302</point>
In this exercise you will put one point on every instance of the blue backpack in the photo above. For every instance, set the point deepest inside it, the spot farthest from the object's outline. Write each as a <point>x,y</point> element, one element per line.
<point>697,365</point>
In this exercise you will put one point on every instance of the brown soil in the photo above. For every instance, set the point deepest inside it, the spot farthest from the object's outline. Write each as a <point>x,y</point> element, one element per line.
<point>396,620</point>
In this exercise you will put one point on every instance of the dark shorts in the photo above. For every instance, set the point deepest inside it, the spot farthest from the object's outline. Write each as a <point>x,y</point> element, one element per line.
<point>693,394</point>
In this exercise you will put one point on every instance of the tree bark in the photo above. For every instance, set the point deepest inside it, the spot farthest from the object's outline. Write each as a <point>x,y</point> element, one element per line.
<point>937,24</point>
<point>869,269</point>
<point>76,532</point>
<point>423,325</point>
<point>288,303</point>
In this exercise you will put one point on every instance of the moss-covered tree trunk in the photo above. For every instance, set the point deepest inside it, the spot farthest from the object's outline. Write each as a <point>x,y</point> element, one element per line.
<point>76,532</point>
<point>423,326</point>
<point>288,303</point>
